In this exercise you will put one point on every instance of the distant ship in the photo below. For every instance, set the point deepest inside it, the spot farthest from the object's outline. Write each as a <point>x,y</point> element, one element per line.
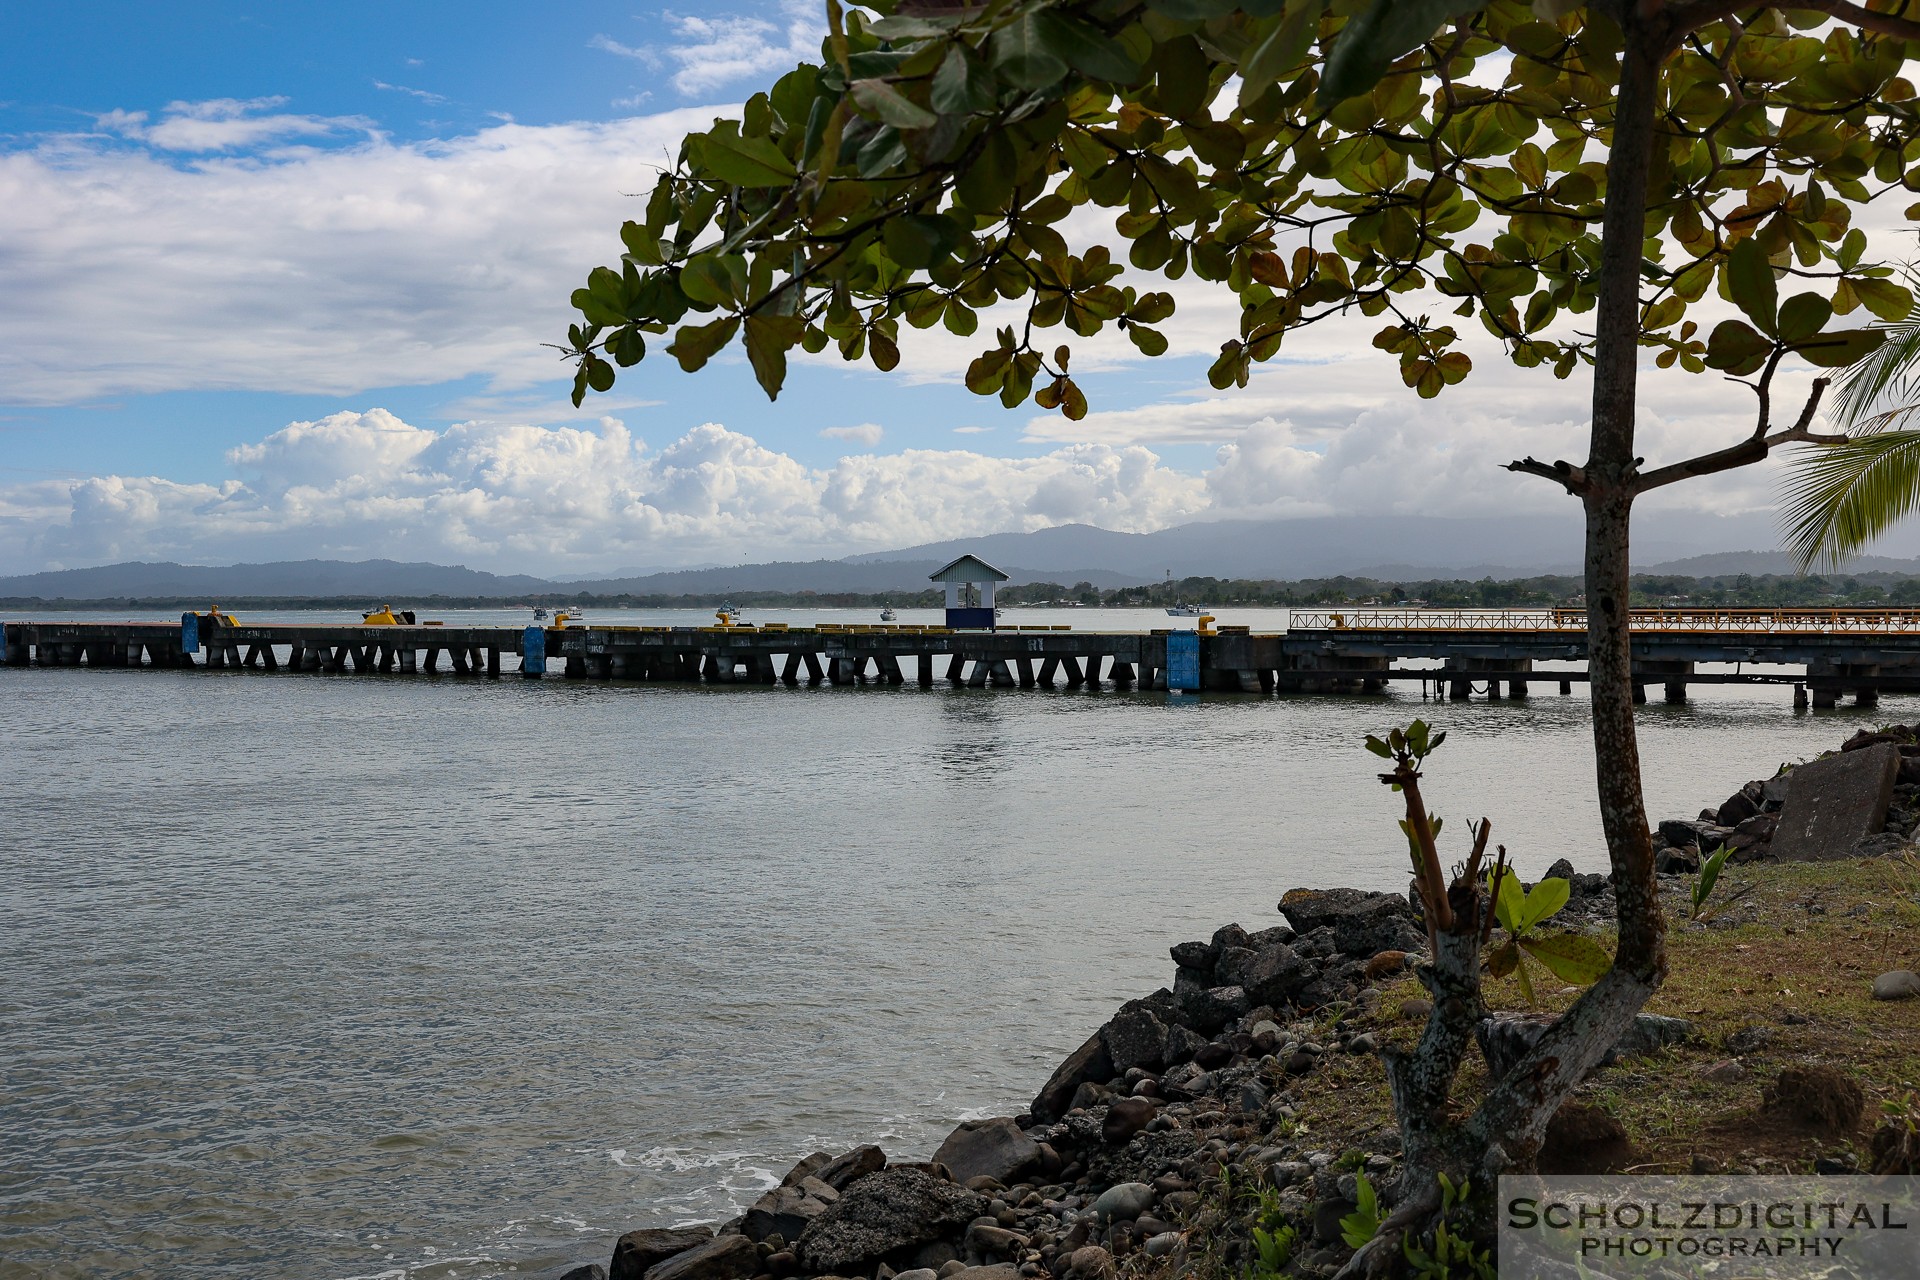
<point>1183,611</point>
<point>886,613</point>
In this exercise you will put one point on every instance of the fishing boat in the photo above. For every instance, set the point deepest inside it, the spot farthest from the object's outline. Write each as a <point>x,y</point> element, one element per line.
<point>886,613</point>
<point>1183,610</point>
<point>539,614</point>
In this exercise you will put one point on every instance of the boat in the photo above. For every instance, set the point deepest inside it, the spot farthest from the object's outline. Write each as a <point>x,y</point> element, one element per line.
<point>539,614</point>
<point>732,611</point>
<point>386,616</point>
<point>886,613</point>
<point>1183,611</point>
<point>571,616</point>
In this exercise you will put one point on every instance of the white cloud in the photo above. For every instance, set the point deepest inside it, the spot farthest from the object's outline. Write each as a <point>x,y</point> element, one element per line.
<point>225,124</point>
<point>713,51</point>
<point>971,431</point>
<point>360,484</point>
<point>867,433</point>
<point>421,94</point>
<point>325,270</point>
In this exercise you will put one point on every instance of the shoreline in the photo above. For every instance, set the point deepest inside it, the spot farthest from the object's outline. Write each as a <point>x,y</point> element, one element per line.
<point>1123,1160</point>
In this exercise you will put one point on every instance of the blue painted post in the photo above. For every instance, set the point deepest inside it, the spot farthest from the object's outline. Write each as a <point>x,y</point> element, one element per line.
<point>533,652</point>
<point>189,633</point>
<point>1183,661</point>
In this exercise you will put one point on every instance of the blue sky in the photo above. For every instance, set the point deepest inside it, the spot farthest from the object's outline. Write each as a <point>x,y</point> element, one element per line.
<point>274,280</point>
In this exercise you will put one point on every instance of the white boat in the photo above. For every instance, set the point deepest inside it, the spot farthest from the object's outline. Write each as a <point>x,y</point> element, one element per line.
<point>1183,611</point>
<point>886,613</point>
<point>539,614</point>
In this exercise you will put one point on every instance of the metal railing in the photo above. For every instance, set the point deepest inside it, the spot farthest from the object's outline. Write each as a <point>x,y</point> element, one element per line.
<point>1795,620</point>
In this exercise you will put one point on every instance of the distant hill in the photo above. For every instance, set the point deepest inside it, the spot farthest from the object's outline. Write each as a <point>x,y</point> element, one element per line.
<point>827,576</point>
<point>1774,562</point>
<point>281,578</point>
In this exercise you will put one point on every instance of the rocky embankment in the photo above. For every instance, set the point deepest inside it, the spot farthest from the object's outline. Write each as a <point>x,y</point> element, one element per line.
<point>1114,1161</point>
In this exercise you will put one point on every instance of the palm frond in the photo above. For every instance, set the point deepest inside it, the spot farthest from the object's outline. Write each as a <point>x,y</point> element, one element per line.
<point>1890,372</point>
<point>1843,496</point>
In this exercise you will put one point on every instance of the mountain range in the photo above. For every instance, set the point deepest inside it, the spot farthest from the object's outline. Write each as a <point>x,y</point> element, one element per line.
<point>1386,547</point>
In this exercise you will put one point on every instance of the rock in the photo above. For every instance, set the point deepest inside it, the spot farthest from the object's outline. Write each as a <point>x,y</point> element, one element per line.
<point>1417,1009</point>
<point>918,1273</point>
<point>1227,935</point>
<point>1584,1139</point>
<point>1252,1097</point>
<point>1819,1097</point>
<point>1900,984</point>
<point>842,1171</point>
<point>1207,1009</point>
<point>1864,738</point>
<point>1505,1037</point>
<point>1089,1064</point>
<point>1182,1044</point>
<point>1193,955</point>
<point>720,1258</point>
<point>1270,976</point>
<point>1675,862</point>
<point>808,1166</point>
<point>1310,909</point>
<point>1125,1201</point>
<point>592,1271</point>
<point>1773,792</point>
<point>1326,1219</point>
<point>1730,1071</point>
<point>994,1241</point>
<point>1681,834</point>
<point>896,1208</point>
<point>1125,1118</point>
<point>637,1251</point>
<point>1159,1246</point>
<point>1090,1261</point>
<point>1001,1271</point>
<point>1835,802</point>
<point>1385,964</point>
<point>1560,870</point>
<point>1736,809</point>
<point>1134,1038</point>
<point>995,1148</point>
<point>786,1211</point>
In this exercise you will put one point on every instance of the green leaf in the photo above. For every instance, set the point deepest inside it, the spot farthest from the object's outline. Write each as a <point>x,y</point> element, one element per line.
<point>599,374</point>
<point>695,344</point>
<point>1570,957</point>
<point>597,311</point>
<point>1151,342</point>
<point>628,346</point>
<point>1709,876</point>
<point>1373,41</point>
<point>961,86</point>
<point>1885,299</point>
<point>1803,315</point>
<point>744,162</point>
<point>1509,900</point>
<point>1086,48</point>
<point>1020,54</point>
<point>1735,348</point>
<point>892,106</point>
<point>987,185</point>
<point>1836,350</point>
<point>1545,898</point>
<point>919,239</point>
<point>1751,285</point>
<point>1282,50</point>
<point>768,340</point>
<point>1379,748</point>
<point>1502,959</point>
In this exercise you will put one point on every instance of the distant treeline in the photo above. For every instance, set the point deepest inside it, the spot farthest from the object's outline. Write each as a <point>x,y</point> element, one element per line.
<point>1731,590</point>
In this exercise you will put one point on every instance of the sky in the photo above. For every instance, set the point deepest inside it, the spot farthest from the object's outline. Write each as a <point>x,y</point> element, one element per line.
<point>275,281</point>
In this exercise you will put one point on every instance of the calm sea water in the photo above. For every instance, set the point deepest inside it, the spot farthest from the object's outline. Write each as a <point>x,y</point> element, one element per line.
<point>357,976</point>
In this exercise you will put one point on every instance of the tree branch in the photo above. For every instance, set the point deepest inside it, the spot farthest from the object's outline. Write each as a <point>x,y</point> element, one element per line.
<point>1561,473</point>
<point>1753,448</point>
<point>1866,19</point>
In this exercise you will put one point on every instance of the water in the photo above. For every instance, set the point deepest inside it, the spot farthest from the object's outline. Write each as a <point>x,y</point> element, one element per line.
<point>384,976</point>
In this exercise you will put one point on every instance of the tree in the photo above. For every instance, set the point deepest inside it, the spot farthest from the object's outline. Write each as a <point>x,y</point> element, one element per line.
<point>1575,178</point>
<point>1846,493</point>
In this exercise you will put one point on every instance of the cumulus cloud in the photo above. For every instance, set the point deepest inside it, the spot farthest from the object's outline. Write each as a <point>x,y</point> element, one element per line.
<point>359,484</point>
<point>314,269</point>
<point>226,124</point>
<point>867,433</point>
<point>712,51</point>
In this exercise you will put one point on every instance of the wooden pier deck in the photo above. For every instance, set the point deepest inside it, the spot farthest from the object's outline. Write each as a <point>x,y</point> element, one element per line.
<point>1824,653</point>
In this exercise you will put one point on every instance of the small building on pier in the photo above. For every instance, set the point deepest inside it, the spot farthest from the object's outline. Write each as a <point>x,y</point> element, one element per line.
<point>970,582</point>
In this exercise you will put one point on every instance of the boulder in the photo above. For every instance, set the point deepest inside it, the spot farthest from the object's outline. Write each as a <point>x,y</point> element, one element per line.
<point>1560,870</point>
<point>1193,955</point>
<point>996,1148</point>
<point>998,1271</point>
<point>1126,1200</point>
<point>1901,984</point>
<point>1352,913</point>
<point>843,1171</point>
<point>1089,1064</point>
<point>592,1271</point>
<point>1736,809</point>
<point>720,1258</point>
<point>637,1251</point>
<point>894,1209</point>
<point>1182,1044</point>
<point>1271,976</point>
<point>1227,935</point>
<point>1835,802</point>
<point>786,1211</point>
<point>1125,1118</point>
<point>1135,1038</point>
<point>1682,834</point>
<point>1207,1008</point>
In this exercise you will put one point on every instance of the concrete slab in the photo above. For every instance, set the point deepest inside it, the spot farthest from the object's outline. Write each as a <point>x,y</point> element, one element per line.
<point>1835,802</point>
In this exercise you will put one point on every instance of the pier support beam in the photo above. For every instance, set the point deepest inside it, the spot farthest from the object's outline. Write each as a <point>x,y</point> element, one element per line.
<point>923,669</point>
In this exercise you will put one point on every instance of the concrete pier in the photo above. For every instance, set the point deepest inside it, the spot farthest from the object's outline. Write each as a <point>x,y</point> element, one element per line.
<point>1826,654</point>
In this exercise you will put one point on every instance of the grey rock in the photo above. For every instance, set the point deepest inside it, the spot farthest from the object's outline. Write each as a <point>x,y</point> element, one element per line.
<point>1227,935</point>
<point>1127,1200</point>
<point>591,1271</point>
<point>1135,1038</point>
<point>1182,1043</point>
<point>784,1211</point>
<point>1193,955</point>
<point>918,1273</point>
<point>896,1208</point>
<point>808,1166</point>
<point>1363,923</point>
<point>1730,1071</point>
<point>1089,1064</point>
<point>1560,870</point>
<point>1901,984</point>
<point>721,1258</point>
<point>1000,1271</point>
<point>636,1251</point>
<point>1835,802</point>
<point>994,1241</point>
<point>1736,809</point>
<point>1207,1009</point>
<point>1126,1118</point>
<point>1090,1260</point>
<point>1161,1245</point>
<point>1271,976</point>
<point>1682,834</point>
<point>995,1148</point>
<point>842,1171</point>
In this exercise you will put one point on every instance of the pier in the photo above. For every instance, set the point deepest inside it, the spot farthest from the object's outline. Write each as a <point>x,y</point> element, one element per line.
<point>1825,654</point>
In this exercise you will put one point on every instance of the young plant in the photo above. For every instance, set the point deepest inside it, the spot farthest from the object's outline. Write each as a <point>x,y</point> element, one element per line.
<point>1363,1224</point>
<point>1571,957</point>
<point>1704,882</point>
<point>1452,1257</point>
